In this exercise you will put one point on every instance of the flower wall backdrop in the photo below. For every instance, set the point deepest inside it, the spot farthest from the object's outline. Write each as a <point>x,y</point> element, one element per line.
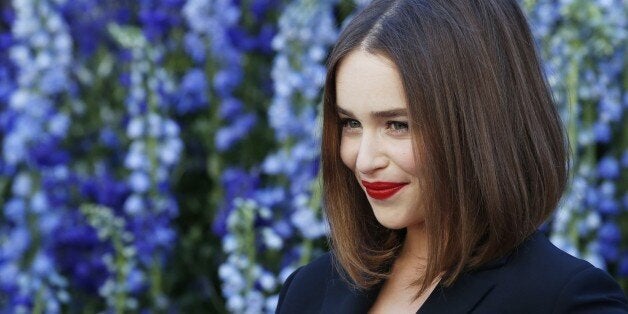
<point>162,156</point>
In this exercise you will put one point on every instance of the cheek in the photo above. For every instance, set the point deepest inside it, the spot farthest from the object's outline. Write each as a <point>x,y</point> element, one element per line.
<point>348,152</point>
<point>404,158</point>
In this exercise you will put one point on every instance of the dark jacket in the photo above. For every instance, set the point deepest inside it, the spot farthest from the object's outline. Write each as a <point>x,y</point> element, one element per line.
<point>536,277</point>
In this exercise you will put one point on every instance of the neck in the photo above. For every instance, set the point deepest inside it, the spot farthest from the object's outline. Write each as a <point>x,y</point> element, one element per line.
<point>415,244</point>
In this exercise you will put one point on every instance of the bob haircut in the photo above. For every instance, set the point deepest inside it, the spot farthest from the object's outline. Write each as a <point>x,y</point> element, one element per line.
<point>484,127</point>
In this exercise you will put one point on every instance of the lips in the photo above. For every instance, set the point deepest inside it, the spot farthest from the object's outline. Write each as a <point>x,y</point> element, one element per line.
<point>382,190</point>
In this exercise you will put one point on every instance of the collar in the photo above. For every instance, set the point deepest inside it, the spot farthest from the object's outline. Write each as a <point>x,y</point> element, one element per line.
<point>461,297</point>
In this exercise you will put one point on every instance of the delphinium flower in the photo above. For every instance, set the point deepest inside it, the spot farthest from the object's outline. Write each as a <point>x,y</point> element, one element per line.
<point>33,130</point>
<point>159,17</point>
<point>226,39</point>
<point>120,263</point>
<point>88,23</point>
<point>210,23</point>
<point>7,79</point>
<point>582,45</point>
<point>284,214</point>
<point>153,150</point>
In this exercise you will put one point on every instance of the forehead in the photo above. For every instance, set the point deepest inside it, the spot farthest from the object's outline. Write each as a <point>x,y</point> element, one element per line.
<point>368,82</point>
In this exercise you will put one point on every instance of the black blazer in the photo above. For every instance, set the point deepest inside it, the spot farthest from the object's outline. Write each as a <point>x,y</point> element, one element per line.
<point>536,277</point>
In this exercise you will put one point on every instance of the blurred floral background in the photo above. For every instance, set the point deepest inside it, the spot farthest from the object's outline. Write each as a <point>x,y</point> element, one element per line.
<point>162,155</point>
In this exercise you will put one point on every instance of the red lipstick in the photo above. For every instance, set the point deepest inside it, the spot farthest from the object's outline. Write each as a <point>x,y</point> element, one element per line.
<point>382,190</point>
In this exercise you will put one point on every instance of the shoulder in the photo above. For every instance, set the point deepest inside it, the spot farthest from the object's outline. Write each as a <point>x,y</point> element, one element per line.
<point>305,287</point>
<point>537,270</point>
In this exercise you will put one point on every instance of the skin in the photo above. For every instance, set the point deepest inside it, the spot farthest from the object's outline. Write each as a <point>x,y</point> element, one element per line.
<point>376,145</point>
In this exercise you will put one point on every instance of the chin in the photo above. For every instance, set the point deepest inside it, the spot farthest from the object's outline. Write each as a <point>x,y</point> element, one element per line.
<point>395,220</point>
<point>389,223</point>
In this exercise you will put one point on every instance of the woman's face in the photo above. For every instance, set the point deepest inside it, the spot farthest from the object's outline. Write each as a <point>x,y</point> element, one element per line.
<point>376,143</point>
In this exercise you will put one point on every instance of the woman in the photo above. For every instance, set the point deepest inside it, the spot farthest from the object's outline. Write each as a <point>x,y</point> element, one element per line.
<point>442,154</point>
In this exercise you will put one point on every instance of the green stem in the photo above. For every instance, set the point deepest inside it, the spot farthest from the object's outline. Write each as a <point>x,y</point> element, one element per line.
<point>39,304</point>
<point>572,102</point>
<point>249,238</point>
<point>156,283</point>
<point>306,256</point>
<point>120,301</point>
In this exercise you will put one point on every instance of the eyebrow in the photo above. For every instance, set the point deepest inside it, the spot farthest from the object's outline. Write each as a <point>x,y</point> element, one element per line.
<point>393,113</point>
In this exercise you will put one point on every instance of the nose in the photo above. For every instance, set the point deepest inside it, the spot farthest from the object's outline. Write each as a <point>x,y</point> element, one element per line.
<point>371,155</point>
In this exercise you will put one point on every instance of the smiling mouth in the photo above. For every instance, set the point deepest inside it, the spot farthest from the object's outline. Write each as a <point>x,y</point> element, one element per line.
<point>382,190</point>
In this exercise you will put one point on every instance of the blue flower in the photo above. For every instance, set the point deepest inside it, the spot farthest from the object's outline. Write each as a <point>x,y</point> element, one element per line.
<point>134,205</point>
<point>622,270</point>
<point>610,233</point>
<point>18,241</point>
<point>15,210</point>
<point>135,280</point>
<point>608,206</point>
<point>608,168</point>
<point>602,132</point>
<point>49,153</point>
<point>54,81</point>
<point>226,80</point>
<point>22,185</point>
<point>139,182</point>
<point>230,108</point>
<point>193,92</point>
<point>227,136</point>
<point>195,47</point>
<point>609,251</point>
<point>109,138</point>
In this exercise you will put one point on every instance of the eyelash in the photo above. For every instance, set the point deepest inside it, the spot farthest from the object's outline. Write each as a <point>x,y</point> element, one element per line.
<point>402,127</point>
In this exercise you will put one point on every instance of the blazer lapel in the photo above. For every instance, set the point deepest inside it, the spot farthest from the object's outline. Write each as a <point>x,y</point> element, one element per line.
<point>461,297</point>
<point>342,298</point>
<point>466,292</point>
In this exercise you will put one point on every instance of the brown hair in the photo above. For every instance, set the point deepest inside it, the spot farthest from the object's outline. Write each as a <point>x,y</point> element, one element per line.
<point>483,122</point>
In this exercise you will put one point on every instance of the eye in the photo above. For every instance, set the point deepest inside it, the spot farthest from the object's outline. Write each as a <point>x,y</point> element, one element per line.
<point>350,125</point>
<point>397,126</point>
